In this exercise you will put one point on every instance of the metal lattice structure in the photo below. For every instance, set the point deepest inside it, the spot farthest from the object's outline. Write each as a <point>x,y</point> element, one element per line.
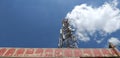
<point>67,39</point>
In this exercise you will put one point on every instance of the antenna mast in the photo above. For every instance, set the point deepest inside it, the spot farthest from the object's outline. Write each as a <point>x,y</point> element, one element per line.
<point>67,39</point>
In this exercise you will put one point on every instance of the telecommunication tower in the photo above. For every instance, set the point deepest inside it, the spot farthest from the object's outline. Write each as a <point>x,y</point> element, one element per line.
<point>67,39</point>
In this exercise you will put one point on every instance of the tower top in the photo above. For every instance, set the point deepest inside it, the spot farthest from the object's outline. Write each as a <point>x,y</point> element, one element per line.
<point>67,39</point>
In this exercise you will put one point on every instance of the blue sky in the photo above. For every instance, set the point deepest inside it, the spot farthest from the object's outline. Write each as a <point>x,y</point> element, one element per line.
<point>36,23</point>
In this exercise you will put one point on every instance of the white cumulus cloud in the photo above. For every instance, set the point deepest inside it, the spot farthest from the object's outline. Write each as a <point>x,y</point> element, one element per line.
<point>88,20</point>
<point>114,41</point>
